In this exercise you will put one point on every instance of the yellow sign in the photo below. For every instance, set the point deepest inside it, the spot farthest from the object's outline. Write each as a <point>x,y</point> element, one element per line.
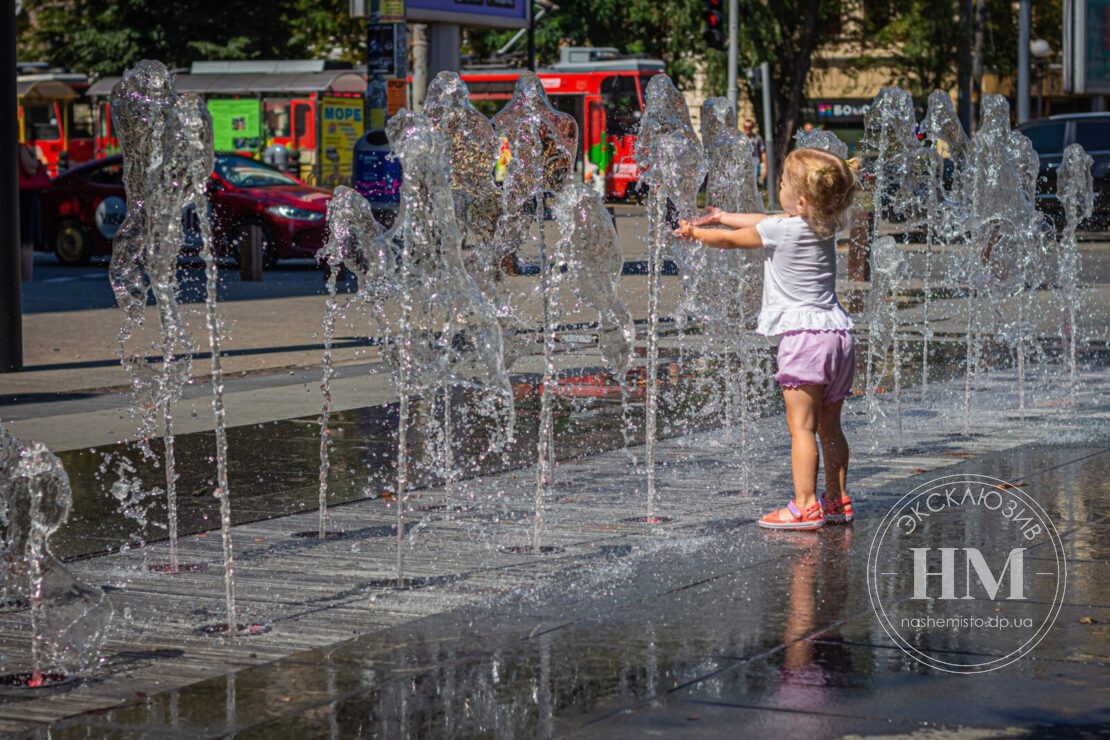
<point>343,124</point>
<point>392,11</point>
<point>397,96</point>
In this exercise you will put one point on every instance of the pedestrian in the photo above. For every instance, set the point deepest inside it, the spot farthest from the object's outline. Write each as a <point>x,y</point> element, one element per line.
<point>32,179</point>
<point>759,150</point>
<point>816,354</point>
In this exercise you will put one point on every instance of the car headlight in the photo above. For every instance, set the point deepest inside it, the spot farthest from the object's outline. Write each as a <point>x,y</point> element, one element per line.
<point>297,214</point>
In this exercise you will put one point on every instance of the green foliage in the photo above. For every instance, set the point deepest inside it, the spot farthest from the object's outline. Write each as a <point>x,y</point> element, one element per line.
<point>918,40</point>
<point>107,36</point>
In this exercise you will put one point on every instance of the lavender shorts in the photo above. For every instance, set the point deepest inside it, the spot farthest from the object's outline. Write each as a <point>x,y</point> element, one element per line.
<point>812,357</point>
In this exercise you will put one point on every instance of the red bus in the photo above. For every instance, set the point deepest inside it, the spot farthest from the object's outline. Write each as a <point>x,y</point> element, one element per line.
<point>605,94</point>
<point>55,116</point>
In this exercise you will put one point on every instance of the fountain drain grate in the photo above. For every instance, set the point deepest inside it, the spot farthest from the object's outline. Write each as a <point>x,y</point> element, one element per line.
<point>407,584</point>
<point>219,629</point>
<point>445,508</point>
<point>35,680</point>
<point>314,534</point>
<point>530,550</point>
<point>181,567</point>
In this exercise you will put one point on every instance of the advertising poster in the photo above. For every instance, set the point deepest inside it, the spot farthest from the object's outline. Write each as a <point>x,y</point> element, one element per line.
<point>392,11</point>
<point>343,124</point>
<point>236,124</point>
<point>381,45</point>
<point>397,96</point>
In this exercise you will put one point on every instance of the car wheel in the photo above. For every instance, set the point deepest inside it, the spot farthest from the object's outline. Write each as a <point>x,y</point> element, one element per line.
<point>269,244</point>
<point>72,243</point>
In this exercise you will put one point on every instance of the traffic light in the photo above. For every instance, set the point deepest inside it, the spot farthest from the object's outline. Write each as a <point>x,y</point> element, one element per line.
<point>716,34</point>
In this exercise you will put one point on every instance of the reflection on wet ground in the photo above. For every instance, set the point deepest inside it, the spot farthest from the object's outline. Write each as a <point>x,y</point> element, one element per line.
<point>725,631</point>
<point>273,468</point>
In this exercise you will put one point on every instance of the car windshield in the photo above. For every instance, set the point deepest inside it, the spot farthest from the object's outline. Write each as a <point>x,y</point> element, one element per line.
<point>246,173</point>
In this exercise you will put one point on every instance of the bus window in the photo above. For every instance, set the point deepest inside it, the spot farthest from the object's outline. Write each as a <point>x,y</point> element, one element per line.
<point>105,118</point>
<point>575,107</point>
<point>622,105</point>
<point>42,123</point>
<point>275,115</point>
<point>302,139</point>
<point>81,121</point>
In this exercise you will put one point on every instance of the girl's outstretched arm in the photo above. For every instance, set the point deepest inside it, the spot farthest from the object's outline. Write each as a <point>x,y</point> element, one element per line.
<point>742,238</point>
<point>716,217</point>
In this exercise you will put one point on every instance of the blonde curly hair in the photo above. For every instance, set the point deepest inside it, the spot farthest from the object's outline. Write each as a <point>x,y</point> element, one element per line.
<point>827,183</point>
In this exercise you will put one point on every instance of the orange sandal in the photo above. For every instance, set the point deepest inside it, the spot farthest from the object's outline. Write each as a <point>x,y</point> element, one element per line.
<point>812,518</point>
<point>838,512</point>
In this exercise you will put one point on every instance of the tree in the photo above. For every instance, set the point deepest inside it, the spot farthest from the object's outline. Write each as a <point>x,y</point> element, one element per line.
<point>787,35</point>
<point>105,37</point>
<point>918,40</point>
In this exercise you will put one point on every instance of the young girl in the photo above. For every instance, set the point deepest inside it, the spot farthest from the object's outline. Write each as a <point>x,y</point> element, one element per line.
<point>816,355</point>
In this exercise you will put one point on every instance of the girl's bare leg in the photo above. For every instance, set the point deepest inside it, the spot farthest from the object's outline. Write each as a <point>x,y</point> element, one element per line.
<point>803,405</point>
<point>834,448</point>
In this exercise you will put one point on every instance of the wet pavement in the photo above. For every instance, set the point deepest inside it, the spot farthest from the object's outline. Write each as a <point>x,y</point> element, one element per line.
<point>732,632</point>
<point>707,627</point>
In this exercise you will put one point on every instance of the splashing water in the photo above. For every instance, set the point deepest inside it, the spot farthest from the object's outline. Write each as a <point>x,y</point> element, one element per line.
<point>448,331</point>
<point>887,146</point>
<point>355,244</point>
<point>672,165</point>
<point>731,291</point>
<point>821,139</point>
<point>144,260</point>
<point>69,619</point>
<point>166,139</point>
<point>543,142</point>
<point>1075,187</point>
<point>591,254</point>
<point>472,147</point>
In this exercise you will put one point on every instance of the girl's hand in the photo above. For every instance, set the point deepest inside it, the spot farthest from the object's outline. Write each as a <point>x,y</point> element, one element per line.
<point>711,217</point>
<point>685,230</point>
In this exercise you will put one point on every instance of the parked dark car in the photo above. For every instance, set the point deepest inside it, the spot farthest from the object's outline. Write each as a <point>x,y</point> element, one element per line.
<point>84,207</point>
<point>1050,136</point>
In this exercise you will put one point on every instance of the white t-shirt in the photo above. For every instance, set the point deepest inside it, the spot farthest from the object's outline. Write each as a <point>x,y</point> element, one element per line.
<point>799,279</point>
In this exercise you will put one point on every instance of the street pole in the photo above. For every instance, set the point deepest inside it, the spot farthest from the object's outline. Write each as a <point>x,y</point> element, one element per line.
<point>419,66</point>
<point>11,291</point>
<point>531,39</point>
<point>1024,20</point>
<point>733,43</point>
<point>769,135</point>
<point>963,63</point>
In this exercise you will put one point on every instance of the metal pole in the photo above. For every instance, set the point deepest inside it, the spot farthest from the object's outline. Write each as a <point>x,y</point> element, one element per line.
<point>769,135</point>
<point>531,39</point>
<point>11,292</point>
<point>963,62</point>
<point>419,66</point>
<point>733,44</point>
<point>1024,19</point>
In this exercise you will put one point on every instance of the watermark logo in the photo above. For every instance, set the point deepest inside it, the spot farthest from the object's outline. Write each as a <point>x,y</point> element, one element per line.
<point>966,573</point>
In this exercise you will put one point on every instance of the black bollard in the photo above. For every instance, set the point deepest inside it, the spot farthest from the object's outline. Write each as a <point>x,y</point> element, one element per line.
<point>250,255</point>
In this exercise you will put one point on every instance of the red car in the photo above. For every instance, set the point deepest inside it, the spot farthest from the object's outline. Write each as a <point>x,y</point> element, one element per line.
<point>84,207</point>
